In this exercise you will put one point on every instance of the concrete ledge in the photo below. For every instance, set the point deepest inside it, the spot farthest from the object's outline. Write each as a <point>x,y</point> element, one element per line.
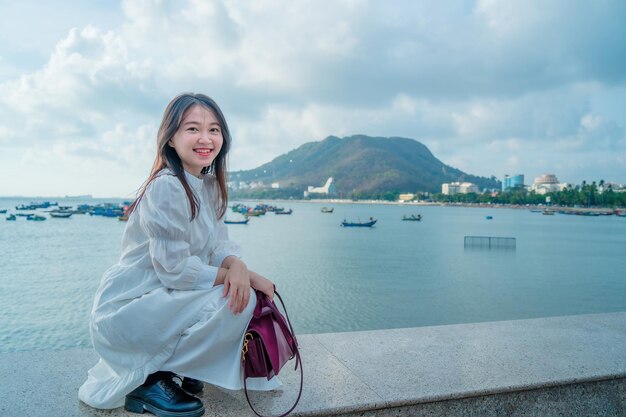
<point>602,398</point>
<point>573,365</point>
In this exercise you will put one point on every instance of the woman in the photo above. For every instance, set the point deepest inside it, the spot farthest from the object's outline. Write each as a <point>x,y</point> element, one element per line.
<point>179,300</point>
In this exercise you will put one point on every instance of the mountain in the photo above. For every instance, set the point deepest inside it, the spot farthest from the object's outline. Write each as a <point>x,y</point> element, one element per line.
<point>361,166</point>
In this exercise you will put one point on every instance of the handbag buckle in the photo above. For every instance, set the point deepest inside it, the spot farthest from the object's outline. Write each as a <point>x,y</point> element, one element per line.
<point>247,338</point>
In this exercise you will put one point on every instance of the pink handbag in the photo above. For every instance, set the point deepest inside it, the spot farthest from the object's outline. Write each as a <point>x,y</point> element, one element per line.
<point>268,344</point>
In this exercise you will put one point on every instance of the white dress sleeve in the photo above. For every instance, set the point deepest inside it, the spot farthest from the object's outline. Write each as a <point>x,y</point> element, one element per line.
<point>225,247</point>
<point>165,216</point>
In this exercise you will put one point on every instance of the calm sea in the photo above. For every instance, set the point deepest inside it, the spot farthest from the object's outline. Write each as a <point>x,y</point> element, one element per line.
<point>334,279</point>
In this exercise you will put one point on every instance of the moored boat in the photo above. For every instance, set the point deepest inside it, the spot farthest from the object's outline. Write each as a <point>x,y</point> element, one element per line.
<point>284,212</point>
<point>327,209</point>
<point>226,221</point>
<point>253,213</point>
<point>11,217</point>
<point>108,210</point>
<point>36,218</point>
<point>412,218</point>
<point>370,223</point>
<point>61,214</point>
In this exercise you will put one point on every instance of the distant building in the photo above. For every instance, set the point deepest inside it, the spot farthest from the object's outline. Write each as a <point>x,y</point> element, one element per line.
<point>406,197</point>
<point>615,187</point>
<point>257,184</point>
<point>233,185</point>
<point>458,188</point>
<point>468,187</point>
<point>450,189</point>
<point>547,183</point>
<point>328,188</point>
<point>515,181</point>
<point>275,185</point>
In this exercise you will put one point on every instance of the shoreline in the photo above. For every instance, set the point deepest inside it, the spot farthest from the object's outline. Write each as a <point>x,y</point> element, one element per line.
<point>328,201</point>
<point>601,210</point>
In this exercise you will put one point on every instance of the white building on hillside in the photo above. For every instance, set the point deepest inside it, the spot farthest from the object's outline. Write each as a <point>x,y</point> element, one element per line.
<point>458,188</point>
<point>328,188</point>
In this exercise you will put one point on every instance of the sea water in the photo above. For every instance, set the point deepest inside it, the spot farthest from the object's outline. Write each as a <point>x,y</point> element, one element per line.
<point>334,279</point>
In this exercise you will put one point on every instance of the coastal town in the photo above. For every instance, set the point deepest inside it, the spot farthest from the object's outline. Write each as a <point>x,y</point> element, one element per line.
<point>544,190</point>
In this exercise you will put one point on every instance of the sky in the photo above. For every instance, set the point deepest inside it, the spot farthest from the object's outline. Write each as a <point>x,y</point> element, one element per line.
<point>490,87</point>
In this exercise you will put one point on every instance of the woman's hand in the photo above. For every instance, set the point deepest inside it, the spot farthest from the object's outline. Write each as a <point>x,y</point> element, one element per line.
<point>259,282</point>
<point>237,283</point>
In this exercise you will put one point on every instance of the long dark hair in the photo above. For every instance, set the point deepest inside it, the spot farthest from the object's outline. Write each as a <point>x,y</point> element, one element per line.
<point>167,157</point>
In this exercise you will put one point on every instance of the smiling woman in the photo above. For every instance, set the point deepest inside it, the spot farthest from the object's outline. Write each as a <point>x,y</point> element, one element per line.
<point>180,298</point>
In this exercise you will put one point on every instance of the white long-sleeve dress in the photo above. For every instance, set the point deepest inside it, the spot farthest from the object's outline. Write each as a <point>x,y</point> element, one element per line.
<point>158,308</point>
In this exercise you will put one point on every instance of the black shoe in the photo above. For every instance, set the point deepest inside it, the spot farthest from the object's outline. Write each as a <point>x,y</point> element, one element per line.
<point>192,386</point>
<point>164,399</point>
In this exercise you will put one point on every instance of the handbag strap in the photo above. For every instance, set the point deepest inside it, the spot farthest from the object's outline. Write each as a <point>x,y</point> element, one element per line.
<point>298,362</point>
<point>293,334</point>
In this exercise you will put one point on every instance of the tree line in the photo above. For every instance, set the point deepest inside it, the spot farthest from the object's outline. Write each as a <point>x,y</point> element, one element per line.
<point>583,195</point>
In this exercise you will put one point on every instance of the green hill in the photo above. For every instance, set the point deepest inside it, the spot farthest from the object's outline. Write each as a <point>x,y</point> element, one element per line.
<point>361,166</point>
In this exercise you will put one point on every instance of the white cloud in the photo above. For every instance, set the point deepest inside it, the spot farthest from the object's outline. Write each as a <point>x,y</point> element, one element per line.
<point>486,85</point>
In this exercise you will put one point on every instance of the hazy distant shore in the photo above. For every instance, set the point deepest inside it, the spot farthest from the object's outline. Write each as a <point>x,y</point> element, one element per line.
<point>331,201</point>
<point>424,203</point>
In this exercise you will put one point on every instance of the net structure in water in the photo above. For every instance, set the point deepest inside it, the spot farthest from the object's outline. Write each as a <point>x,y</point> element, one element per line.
<point>489,241</point>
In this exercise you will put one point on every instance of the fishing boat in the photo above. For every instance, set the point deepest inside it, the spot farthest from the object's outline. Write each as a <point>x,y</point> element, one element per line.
<point>253,213</point>
<point>61,214</point>
<point>34,206</point>
<point>412,218</point>
<point>327,210</point>
<point>370,223</point>
<point>237,221</point>
<point>123,218</point>
<point>11,217</point>
<point>239,208</point>
<point>3,211</point>
<point>489,217</point>
<point>107,211</point>
<point>36,218</point>
<point>548,212</point>
<point>284,212</point>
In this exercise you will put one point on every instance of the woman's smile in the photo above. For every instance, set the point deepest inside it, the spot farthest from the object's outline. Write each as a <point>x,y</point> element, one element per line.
<point>205,152</point>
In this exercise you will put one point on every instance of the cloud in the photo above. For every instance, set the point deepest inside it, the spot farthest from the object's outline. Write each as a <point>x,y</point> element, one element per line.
<point>487,85</point>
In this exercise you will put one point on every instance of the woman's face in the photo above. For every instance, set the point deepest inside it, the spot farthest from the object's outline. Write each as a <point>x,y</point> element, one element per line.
<point>198,139</point>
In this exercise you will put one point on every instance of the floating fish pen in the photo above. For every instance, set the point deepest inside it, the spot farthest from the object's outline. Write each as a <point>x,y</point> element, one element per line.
<point>489,242</point>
